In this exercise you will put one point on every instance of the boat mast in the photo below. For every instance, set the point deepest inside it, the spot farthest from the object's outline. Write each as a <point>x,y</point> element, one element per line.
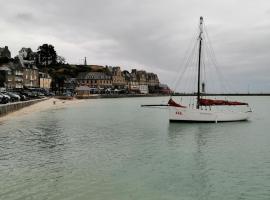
<point>199,64</point>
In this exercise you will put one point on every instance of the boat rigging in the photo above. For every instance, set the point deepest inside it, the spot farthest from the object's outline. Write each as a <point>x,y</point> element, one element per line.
<point>204,110</point>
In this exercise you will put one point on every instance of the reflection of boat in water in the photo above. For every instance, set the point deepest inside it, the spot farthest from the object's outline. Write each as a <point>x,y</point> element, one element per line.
<point>205,109</point>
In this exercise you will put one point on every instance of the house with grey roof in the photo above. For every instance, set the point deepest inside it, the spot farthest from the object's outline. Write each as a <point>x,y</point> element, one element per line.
<point>98,80</point>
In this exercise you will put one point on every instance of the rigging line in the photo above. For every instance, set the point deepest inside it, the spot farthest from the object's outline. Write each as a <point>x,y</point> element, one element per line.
<point>187,63</point>
<point>204,79</point>
<point>211,47</point>
<point>193,70</point>
<point>193,75</point>
<point>185,66</point>
<point>227,84</point>
<point>207,55</point>
<point>185,60</point>
<point>214,62</point>
<point>180,74</point>
<point>209,59</point>
<point>187,81</point>
<point>206,59</point>
<point>223,82</point>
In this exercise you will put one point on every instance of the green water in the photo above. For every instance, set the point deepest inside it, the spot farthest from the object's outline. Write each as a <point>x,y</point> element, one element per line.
<point>114,149</point>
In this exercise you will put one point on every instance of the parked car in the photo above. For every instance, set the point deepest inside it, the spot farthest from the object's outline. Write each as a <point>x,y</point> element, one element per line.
<point>7,97</point>
<point>29,94</point>
<point>40,94</point>
<point>22,96</point>
<point>14,97</point>
<point>3,99</point>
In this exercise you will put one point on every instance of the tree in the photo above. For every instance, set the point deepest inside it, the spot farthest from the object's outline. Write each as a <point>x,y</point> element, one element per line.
<point>46,55</point>
<point>61,60</point>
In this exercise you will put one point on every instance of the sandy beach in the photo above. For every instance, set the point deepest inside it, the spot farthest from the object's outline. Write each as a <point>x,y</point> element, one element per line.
<point>51,103</point>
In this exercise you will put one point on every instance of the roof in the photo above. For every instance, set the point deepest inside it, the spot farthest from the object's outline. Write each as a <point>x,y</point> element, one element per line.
<point>26,49</point>
<point>93,76</point>
<point>11,66</point>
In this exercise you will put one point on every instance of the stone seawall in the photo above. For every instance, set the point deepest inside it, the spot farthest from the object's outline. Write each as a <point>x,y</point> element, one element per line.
<point>11,107</point>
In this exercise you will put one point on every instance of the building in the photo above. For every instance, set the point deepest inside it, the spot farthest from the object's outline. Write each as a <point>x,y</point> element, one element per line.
<point>133,83</point>
<point>98,80</point>
<point>142,81</point>
<point>139,81</point>
<point>164,89</point>
<point>4,52</point>
<point>30,72</point>
<point>128,82</point>
<point>12,75</point>
<point>20,72</point>
<point>27,54</point>
<point>30,76</point>
<point>45,80</point>
<point>142,77</point>
<point>152,79</point>
<point>153,82</point>
<point>118,80</point>
<point>83,91</point>
<point>143,89</point>
<point>70,85</point>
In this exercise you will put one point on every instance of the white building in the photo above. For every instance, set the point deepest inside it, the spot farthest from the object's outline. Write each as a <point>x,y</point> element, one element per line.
<point>143,89</point>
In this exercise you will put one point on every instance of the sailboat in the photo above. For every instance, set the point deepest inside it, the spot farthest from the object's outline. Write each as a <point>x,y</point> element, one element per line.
<point>203,110</point>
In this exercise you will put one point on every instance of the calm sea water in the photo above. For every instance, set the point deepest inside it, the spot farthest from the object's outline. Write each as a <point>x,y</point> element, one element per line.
<point>114,149</point>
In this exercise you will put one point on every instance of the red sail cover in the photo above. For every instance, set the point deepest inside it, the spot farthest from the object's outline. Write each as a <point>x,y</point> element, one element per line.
<point>211,102</point>
<point>174,104</point>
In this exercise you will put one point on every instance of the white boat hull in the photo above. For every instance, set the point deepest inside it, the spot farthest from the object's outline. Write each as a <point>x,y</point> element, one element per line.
<point>179,114</point>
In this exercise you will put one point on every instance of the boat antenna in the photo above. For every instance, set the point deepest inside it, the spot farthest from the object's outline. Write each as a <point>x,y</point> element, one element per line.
<point>199,63</point>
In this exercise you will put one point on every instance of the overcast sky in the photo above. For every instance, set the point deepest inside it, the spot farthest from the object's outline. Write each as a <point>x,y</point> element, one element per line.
<point>146,34</point>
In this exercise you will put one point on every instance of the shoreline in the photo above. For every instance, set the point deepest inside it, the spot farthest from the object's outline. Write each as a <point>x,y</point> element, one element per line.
<point>100,96</point>
<point>46,104</point>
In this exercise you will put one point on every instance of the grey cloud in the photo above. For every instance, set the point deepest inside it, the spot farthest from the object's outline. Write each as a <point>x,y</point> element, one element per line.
<point>24,17</point>
<point>150,34</point>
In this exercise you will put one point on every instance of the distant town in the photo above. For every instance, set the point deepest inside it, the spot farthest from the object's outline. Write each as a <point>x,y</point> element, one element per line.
<point>44,72</point>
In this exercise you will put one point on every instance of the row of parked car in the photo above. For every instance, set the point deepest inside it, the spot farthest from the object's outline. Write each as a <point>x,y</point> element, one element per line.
<point>6,97</point>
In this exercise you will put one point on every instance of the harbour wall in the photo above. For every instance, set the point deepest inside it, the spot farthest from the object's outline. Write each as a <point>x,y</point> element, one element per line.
<point>11,107</point>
